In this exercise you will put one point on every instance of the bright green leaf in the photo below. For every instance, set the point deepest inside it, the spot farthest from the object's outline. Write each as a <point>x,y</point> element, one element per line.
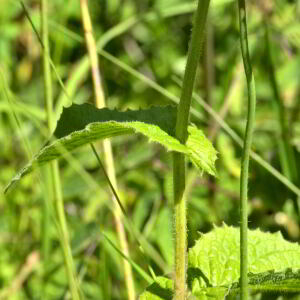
<point>216,257</point>
<point>200,151</point>
<point>83,124</point>
<point>214,265</point>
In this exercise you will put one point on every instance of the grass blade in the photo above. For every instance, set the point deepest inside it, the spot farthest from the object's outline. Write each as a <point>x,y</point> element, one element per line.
<point>107,148</point>
<point>63,230</point>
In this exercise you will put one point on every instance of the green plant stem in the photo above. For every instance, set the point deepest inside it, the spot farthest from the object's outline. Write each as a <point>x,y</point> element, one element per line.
<point>180,225</point>
<point>63,231</point>
<point>46,239</point>
<point>208,65</point>
<point>246,150</point>
<point>179,159</point>
<point>107,149</point>
<point>48,169</point>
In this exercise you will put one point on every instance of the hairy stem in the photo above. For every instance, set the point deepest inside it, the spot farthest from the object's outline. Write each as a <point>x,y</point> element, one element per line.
<point>246,150</point>
<point>107,149</point>
<point>62,224</point>
<point>178,159</point>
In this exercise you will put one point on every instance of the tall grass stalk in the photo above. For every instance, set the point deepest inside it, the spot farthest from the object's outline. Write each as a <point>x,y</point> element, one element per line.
<point>246,150</point>
<point>62,225</point>
<point>107,149</point>
<point>178,159</point>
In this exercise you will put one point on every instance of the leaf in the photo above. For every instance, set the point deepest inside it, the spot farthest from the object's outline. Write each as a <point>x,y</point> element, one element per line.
<point>200,151</point>
<point>214,265</point>
<point>83,124</point>
<point>216,257</point>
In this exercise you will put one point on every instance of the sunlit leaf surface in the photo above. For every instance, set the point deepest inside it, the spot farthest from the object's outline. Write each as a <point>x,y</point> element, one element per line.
<point>83,124</point>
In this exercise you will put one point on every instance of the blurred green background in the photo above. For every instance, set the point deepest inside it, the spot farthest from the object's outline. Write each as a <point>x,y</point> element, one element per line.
<point>155,44</point>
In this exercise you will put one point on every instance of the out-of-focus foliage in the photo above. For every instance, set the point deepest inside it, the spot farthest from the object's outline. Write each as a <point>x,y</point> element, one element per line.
<point>156,46</point>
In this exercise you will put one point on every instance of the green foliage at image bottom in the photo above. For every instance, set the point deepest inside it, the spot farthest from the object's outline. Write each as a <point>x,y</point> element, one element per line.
<point>83,124</point>
<point>214,266</point>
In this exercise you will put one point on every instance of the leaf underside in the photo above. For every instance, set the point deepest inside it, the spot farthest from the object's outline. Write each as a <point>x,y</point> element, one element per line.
<point>214,265</point>
<point>84,124</point>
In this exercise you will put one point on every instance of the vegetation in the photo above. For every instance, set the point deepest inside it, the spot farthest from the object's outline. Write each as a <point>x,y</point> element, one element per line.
<point>88,223</point>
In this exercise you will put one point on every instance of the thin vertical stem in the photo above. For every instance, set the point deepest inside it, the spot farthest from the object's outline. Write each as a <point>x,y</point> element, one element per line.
<point>180,226</point>
<point>92,51</point>
<point>107,149</point>
<point>209,59</point>
<point>48,171</point>
<point>178,159</point>
<point>46,66</point>
<point>63,230</point>
<point>194,52</point>
<point>45,223</point>
<point>246,150</point>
